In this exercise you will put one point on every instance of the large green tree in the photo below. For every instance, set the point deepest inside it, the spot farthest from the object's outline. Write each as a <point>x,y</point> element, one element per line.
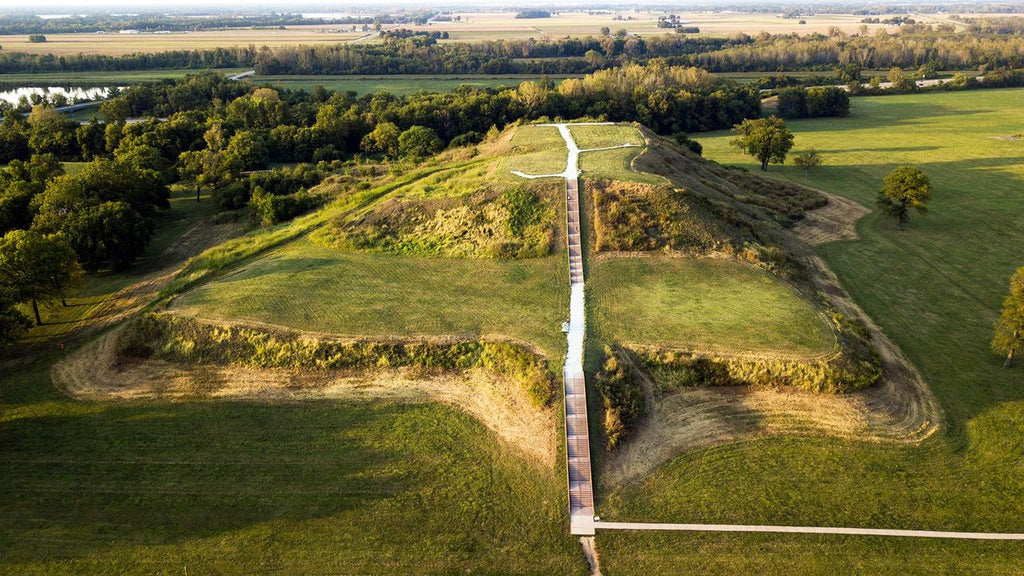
<point>766,139</point>
<point>1009,329</point>
<point>419,142</point>
<point>110,233</point>
<point>904,188</point>
<point>35,266</point>
<point>383,140</point>
<point>52,132</point>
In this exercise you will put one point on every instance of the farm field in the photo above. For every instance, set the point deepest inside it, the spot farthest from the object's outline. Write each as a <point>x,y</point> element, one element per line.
<point>489,26</point>
<point>935,289</point>
<point>473,27</point>
<point>701,304</point>
<point>119,44</point>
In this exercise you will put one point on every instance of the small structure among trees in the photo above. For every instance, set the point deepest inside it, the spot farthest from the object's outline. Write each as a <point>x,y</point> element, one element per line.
<point>904,188</point>
<point>1009,329</point>
<point>766,139</point>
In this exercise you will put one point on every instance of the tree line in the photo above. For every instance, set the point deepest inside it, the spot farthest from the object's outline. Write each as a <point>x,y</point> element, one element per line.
<point>912,47</point>
<point>395,55</point>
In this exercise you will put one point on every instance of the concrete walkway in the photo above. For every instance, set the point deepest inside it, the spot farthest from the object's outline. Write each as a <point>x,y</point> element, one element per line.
<point>577,434</point>
<point>808,530</point>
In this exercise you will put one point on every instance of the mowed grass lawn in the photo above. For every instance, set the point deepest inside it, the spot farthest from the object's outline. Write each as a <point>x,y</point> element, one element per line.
<point>309,287</point>
<point>615,164</point>
<point>603,135</point>
<point>700,304</point>
<point>539,150</point>
<point>253,488</point>
<point>935,289</point>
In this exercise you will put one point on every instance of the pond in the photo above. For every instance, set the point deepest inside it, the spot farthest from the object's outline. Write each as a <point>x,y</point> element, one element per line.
<point>83,94</point>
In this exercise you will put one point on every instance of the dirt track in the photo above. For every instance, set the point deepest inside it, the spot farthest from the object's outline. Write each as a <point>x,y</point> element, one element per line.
<point>91,374</point>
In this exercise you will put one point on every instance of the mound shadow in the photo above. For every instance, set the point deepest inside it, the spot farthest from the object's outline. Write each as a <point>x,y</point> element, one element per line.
<point>153,474</point>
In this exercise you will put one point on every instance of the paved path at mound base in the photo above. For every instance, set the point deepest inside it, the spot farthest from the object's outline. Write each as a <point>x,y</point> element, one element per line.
<point>808,530</point>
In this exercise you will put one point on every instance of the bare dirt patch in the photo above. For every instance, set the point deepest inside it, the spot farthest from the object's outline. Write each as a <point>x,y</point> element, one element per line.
<point>837,220</point>
<point>91,373</point>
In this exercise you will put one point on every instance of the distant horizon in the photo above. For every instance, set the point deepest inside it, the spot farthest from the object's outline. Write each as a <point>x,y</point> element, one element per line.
<point>73,7</point>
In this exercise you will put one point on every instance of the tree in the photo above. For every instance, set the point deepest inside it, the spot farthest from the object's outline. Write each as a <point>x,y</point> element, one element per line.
<point>904,188</point>
<point>419,142</point>
<point>115,111</point>
<point>51,132</point>
<point>383,139</point>
<point>109,233</point>
<point>807,160</point>
<point>190,167</point>
<point>34,266</point>
<point>766,139</point>
<point>899,80</point>
<point>792,103</point>
<point>91,139</point>
<point>247,151</point>
<point>1009,329</point>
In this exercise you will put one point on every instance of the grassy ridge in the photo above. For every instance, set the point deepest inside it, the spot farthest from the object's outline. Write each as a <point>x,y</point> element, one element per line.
<point>935,289</point>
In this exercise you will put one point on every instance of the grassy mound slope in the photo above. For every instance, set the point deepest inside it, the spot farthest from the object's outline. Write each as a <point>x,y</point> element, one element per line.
<point>935,289</point>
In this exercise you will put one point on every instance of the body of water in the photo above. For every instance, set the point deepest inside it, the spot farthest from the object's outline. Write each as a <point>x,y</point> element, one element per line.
<point>72,94</point>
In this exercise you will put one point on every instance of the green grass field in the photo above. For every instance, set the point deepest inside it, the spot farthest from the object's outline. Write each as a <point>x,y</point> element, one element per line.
<point>602,136</point>
<point>308,287</point>
<point>935,289</point>
<point>244,488</point>
<point>612,164</point>
<point>541,151</point>
<point>700,304</point>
